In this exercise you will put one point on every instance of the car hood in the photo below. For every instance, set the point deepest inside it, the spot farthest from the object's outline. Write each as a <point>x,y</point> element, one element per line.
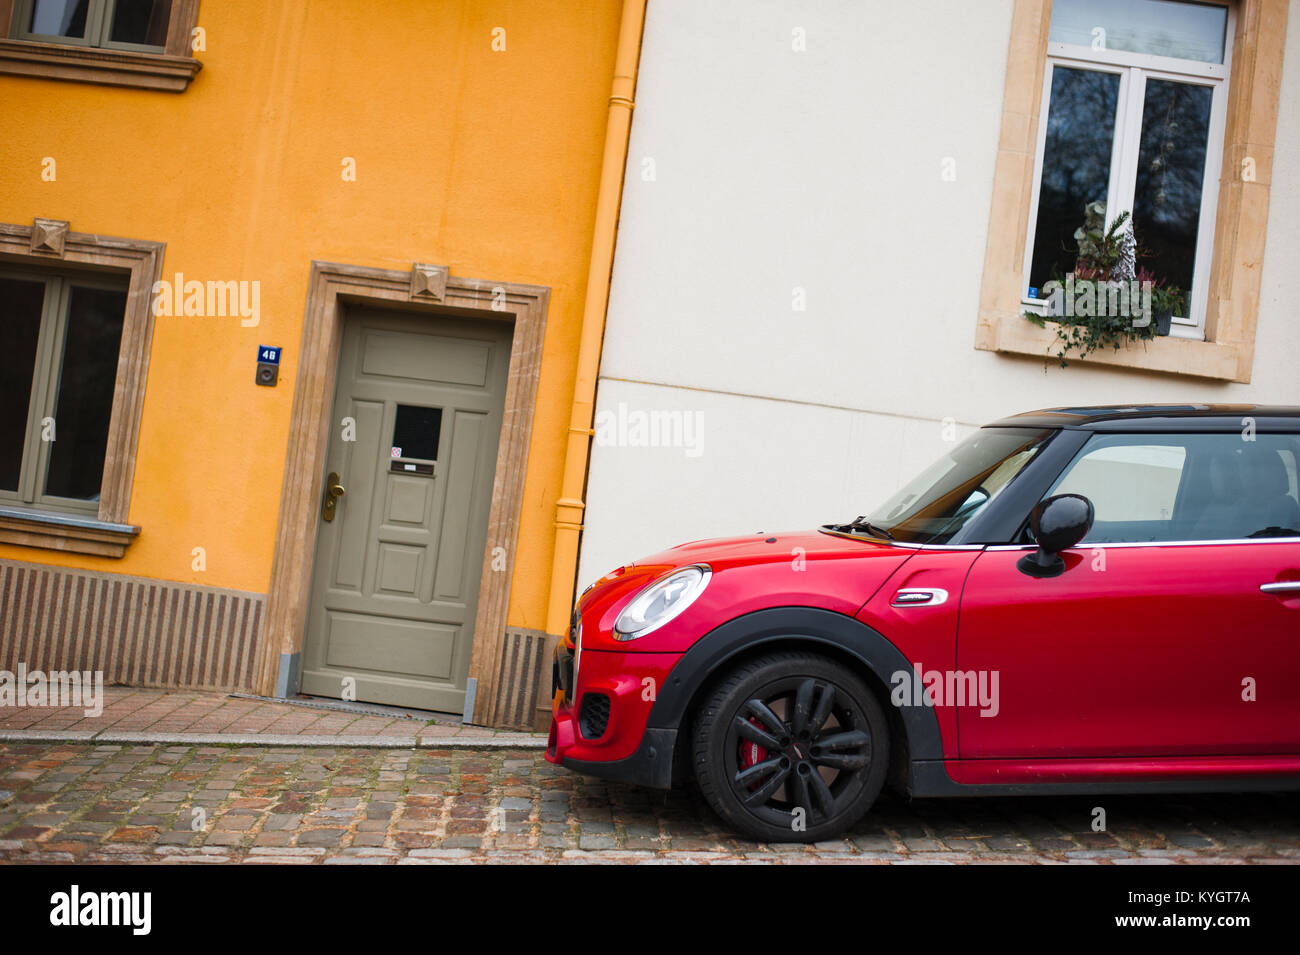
<point>754,572</point>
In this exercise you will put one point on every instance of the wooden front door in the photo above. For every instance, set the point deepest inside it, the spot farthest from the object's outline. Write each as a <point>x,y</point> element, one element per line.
<point>417,416</point>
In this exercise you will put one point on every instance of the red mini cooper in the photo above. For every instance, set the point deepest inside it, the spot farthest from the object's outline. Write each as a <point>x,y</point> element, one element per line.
<point>1073,600</point>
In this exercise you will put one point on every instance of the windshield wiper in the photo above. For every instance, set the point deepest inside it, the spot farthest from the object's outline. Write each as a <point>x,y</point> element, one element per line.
<point>862,524</point>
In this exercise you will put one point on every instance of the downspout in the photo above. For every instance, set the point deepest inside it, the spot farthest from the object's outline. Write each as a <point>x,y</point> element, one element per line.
<point>569,507</point>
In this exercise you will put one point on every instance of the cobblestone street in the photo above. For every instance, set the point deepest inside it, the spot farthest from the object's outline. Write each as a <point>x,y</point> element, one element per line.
<point>74,802</point>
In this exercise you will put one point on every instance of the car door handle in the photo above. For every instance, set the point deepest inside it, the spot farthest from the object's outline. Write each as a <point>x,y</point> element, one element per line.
<point>1281,587</point>
<point>920,597</point>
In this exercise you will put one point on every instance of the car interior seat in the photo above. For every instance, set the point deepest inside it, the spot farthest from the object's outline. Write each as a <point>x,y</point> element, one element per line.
<point>1222,516</point>
<point>1268,504</point>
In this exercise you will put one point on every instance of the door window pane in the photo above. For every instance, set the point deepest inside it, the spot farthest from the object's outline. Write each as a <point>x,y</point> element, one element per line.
<point>1187,487</point>
<point>141,21</point>
<point>1291,464</point>
<point>1170,174</point>
<point>20,327</point>
<point>84,406</point>
<point>59,17</point>
<point>1188,31</point>
<point>1076,165</point>
<point>415,434</point>
<point>1128,482</point>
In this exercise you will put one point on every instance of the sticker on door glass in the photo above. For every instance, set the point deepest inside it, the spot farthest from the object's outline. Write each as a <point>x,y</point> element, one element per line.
<point>397,452</point>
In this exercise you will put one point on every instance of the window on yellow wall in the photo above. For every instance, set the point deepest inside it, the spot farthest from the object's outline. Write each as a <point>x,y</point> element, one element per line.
<point>142,44</point>
<point>60,337</point>
<point>115,24</point>
<point>1134,103</point>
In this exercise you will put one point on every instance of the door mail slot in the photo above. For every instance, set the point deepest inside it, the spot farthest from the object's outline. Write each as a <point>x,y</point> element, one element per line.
<point>410,467</point>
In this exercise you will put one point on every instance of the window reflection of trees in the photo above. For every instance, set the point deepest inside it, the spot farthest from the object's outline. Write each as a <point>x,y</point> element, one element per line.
<point>1076,164</point>
<point>1170,176</point>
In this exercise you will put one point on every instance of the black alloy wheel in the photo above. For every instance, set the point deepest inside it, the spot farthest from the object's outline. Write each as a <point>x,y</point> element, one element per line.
<point>791,747</point>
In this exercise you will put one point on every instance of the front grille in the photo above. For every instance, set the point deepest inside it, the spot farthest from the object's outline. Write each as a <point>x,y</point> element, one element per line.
<point>594,715</point>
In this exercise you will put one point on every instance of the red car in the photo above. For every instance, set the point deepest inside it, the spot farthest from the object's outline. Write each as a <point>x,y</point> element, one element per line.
<point>1073,600</point>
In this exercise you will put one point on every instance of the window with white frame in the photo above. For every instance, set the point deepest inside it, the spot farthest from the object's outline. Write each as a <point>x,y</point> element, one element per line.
<point>1134,100</point>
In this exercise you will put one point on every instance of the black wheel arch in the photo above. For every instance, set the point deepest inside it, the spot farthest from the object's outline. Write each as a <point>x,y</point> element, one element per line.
<point>835,635</point>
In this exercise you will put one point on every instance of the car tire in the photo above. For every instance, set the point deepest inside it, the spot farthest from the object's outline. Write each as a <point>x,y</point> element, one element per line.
<point>778,761</point>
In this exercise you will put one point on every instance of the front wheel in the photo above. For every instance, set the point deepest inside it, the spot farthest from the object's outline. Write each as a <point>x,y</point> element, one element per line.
<point>791,747</point>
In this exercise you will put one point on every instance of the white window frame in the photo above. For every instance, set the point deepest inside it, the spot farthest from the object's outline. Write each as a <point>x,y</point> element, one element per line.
<point>1134,69</point>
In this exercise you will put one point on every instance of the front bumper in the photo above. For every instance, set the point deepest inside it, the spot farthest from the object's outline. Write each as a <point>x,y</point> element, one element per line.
<point>600,712</point>
<point>651,765</point>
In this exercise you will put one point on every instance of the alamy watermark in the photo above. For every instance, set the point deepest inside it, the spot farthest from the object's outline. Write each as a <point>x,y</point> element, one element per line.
<point>69,688</point>
<point>921,687</point>
<point>76,907</point>
<point>622,427</point>
<point>1086,298</point>
<point>195,299</point>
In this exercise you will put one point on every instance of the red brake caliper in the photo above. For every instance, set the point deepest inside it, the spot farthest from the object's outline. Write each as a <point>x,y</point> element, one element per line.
<point>751,754</point>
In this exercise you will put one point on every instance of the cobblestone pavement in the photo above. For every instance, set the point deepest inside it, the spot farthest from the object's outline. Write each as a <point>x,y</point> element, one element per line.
<point>134,710</point>
<point>66,802</point>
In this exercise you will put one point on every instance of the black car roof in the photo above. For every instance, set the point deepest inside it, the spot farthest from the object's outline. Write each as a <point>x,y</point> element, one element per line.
<point>1159,418</point>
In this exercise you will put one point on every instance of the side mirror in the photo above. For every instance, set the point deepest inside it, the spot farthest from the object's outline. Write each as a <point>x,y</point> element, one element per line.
<point>1058,523</point>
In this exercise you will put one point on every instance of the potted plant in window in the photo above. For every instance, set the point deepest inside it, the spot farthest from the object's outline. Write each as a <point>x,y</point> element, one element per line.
<point>1083,306</point>
<point>1166,301</point>
<point>1112,252</point>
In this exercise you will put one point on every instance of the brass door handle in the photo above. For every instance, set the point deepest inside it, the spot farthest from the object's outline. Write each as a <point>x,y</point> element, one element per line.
<point>333,491</point>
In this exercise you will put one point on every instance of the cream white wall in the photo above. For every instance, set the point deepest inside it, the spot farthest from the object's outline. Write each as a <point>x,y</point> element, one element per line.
<point>775,170</point>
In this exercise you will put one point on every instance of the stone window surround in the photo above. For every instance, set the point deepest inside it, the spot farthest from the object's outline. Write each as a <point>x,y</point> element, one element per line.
<point>46,242</point>
<point>171,70</point>
<point>424,289</point>
<point>1228,351</point>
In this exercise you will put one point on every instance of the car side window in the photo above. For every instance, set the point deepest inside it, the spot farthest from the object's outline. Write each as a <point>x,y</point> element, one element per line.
<point>1187,487</point>
<point>1291,463</point>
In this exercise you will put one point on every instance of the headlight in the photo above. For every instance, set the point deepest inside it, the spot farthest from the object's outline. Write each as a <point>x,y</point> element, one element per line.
<point>661,601</point>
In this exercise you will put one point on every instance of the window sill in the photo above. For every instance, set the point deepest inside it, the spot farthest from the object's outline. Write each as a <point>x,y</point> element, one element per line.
<point>57,61</point>
<point>1175,356</point>
<point>1181,328</point>
<point>65,532</point>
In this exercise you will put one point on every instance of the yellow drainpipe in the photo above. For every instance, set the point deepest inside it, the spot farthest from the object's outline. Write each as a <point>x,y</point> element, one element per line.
<point>569,507</point>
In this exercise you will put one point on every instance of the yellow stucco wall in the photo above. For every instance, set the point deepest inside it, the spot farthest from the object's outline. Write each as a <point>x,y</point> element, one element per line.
<point>484,161</point>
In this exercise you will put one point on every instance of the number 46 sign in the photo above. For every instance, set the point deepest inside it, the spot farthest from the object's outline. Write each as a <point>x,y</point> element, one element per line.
<point>268,365</point>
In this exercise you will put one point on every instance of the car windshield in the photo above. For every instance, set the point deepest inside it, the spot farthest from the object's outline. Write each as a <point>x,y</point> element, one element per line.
<point>938,502</point>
